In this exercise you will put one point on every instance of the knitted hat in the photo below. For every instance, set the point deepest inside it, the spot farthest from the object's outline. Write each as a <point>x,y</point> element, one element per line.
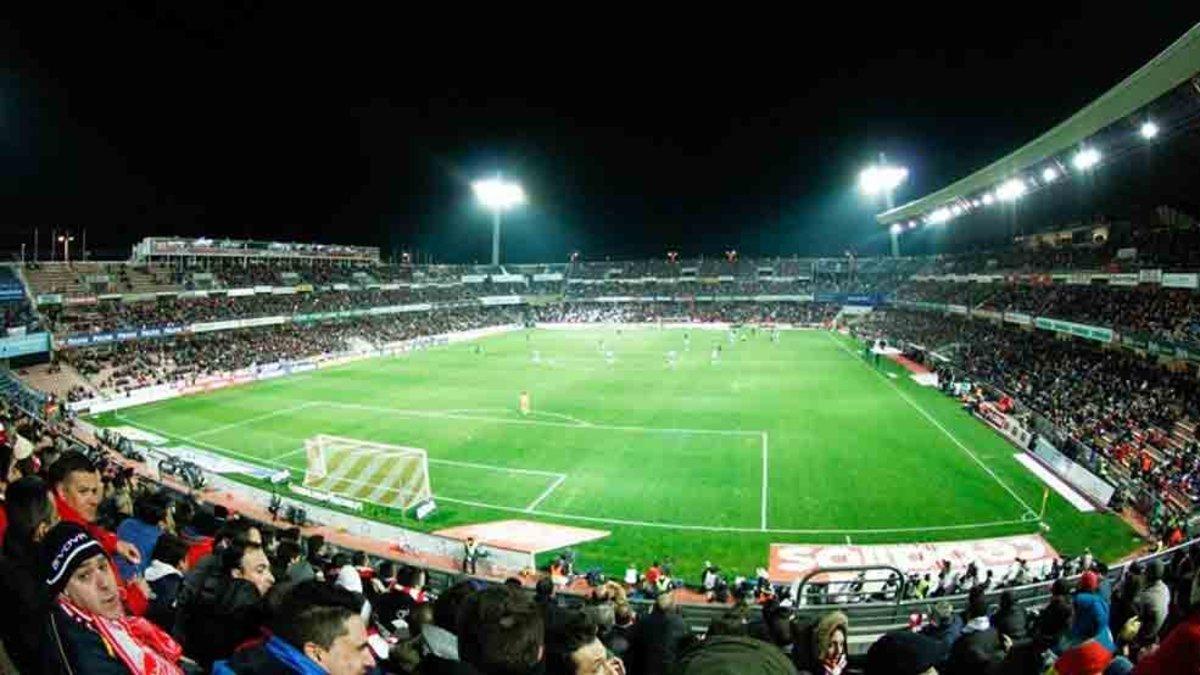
<point>1089,658</point>
<point>65,548</point>
<point>903,652</point>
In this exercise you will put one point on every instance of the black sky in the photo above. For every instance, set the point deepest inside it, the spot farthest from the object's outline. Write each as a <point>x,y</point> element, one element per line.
<point>633,130</point>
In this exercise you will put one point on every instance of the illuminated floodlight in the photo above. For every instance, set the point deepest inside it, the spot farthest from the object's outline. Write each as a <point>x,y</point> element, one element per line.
<point>940,216</point>
<point>881,179</point>
<point>912,224</point>
<point>1149,130</point>
<point>988,199</point>
<point>976,203</point>
<point>1011,190</point>
<point>897,228</point>
<point>1086,159</point>
<point>956,210</point>
<point>497,194</point>
<point>1049,174</point>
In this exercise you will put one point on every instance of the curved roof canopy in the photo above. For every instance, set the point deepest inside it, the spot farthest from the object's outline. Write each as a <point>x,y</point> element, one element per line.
<point>1174,66</point>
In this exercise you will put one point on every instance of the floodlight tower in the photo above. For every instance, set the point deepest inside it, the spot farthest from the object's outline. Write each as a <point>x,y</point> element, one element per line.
<point>884,178</point>
<point>497,195</point>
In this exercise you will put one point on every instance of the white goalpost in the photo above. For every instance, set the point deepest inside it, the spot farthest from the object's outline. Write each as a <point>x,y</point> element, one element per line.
<point>391,475</point>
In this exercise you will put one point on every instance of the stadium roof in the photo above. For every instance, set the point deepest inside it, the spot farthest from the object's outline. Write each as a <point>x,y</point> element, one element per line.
<point>1174,66</point>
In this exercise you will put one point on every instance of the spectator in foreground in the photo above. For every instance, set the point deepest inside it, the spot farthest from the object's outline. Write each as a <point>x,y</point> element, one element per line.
<point>729,655</point>
<point>979,646</point>
<point>945,625</point>
<point>228,607</point>
<point>151,517</point>
<point>316,630</point>
<point>573,648</point>
<point>1152,604</point>
<point>1179,653</point>
<point>500,632</point>
<point>657,640</point>
<point>77,494</point>
<point>1049,639</point>
<point>820,647</point>
<point>1010,620</point>
<point>904,653</point>
<point>1091,614</point>
<point>165,576</point>
<point>31,514</point>
<point>88,624</point>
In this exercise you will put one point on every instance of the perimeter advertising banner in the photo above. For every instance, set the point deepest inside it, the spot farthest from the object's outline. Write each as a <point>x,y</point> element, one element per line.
<point>791,562</point>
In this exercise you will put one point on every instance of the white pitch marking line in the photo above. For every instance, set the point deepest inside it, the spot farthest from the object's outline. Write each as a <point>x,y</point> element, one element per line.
<point>252,420</point>
<point>943,429</point>
<point>763,525</point>
<point>503,420</point>
<point>553,486</point>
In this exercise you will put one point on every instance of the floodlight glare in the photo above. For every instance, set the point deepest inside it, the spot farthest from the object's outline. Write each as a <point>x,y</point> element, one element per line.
<point>1049,174</point>
<point>1011,190</point>
<point>988,199</point>
<point>897,228</point>
<point>912,224</point>
<point>497,194</point>
<point>875,180</point>
<point>1149,130</point>
<point>956,210</point>
<point>939,216</point>
<point>1086,159</point>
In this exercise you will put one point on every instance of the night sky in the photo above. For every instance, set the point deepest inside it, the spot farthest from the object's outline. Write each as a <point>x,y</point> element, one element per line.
<point>633,130</point>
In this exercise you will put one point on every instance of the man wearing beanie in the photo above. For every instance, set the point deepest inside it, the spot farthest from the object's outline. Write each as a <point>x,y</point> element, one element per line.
<point>903,652</point>
<point>89,631</point>
<point>730,655</point>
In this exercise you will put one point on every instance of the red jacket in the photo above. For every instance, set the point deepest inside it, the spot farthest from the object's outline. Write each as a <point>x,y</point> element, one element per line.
<point>135,600</point>
<point>1179,653</point>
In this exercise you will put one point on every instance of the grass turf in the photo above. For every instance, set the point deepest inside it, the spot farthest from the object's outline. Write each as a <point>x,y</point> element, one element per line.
<point>670,460</point>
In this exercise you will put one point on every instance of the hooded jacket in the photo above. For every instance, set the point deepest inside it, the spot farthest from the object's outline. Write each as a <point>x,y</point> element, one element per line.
<point>814,640</point>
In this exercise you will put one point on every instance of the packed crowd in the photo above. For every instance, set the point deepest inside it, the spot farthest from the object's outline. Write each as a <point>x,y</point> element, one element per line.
<point>1121,405</point>
<point>119,367</point>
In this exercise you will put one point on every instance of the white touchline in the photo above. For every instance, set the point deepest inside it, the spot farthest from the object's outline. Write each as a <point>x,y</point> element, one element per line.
<point>553,486</point>
<point>943,429</point>
<point>763,526</point>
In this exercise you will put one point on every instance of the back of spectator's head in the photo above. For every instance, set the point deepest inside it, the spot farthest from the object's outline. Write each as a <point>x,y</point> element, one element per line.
<point>623,613</point>
<point>184,513</point>
<point>323,622</point>
<point>7,462</point>
<point>358,559</point>
<point>412,577</point>
<point>1055,619</point>
<point>571,645</point>
<point>30,512</point>
<point>1154,571</point>
<point>238,531</point>
<point>731,623</point>
<point>71,461</point>
<point>500,631</point>
<point>1007,600</point>
<point>315,544</point>
<point>288,551</point>
<point>340,560</point>
<point>152,508</point>
<point>904,653</point>
<point>976,607</point>
<point>545,588</point>
<point>729,655</point>
<point>170,549</point>
<point>445,608</point>
<point>665,602</point>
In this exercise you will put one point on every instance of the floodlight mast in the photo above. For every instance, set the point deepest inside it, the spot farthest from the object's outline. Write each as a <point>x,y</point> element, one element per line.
<point>883,178</point>
<point>497,195</point>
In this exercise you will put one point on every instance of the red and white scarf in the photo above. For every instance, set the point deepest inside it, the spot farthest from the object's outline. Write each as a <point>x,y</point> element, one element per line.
<point>144,648</point>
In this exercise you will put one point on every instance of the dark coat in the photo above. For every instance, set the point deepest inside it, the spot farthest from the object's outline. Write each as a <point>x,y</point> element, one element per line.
<point>974,652</point>
<point>26,607</point>
<point>223,614</point>
<point>656,643</point>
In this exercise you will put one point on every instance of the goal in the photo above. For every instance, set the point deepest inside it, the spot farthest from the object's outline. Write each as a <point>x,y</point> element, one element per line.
<point>391,475</point>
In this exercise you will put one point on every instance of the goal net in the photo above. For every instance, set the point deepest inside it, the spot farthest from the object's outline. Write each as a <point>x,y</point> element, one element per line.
<point>391,475</point>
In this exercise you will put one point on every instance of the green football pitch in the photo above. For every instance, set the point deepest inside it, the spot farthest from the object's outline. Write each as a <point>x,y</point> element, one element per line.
<point>798,440</point>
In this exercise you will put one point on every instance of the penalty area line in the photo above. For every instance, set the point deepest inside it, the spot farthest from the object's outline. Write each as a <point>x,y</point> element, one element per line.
<point>542,497</point>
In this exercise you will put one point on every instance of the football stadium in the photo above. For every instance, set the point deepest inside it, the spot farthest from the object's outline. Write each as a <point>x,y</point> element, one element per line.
<point>967,443</point>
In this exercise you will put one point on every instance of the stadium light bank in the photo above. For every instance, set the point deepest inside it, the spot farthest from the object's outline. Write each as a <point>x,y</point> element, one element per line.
<point>883,178</point>
<point>498,196</point>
